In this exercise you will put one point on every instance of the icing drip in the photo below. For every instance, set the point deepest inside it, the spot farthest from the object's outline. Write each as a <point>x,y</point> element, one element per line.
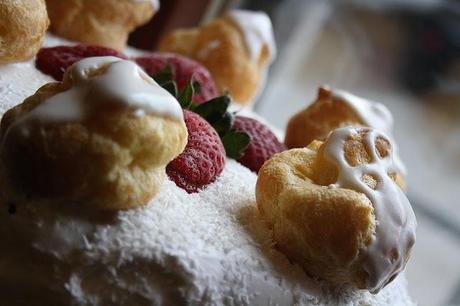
<point>375,115</point>
<point>394,237</point>
<point>122,84</point>
<point>257,30</point>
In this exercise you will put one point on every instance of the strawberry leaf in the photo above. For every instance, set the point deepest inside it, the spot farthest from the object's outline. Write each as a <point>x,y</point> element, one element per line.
<point>235,143</point>
<point>196,87</point>
<point>224,124</point>
<point>164,76</point>
<point>214,109</point>
<point>186,95</point>
<point>171,87</point>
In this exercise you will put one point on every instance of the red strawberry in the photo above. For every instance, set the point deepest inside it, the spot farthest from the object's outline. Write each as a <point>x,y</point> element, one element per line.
<point>263,142</point>
<point>54,61</point>
<point>203,158</point>
<point>183,69</point>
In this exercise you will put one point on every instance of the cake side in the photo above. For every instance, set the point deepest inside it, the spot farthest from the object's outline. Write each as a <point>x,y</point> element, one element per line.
<point>208,248</point>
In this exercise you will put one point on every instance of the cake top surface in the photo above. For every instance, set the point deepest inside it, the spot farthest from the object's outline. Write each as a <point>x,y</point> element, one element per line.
<point>209,248</point>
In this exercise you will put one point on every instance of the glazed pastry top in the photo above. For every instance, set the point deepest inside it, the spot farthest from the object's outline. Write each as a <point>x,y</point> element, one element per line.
<point>373,114</point>
<point>155,3</point>
<point>123,83</point>
<point>385,256</point>
<point>257,30</point>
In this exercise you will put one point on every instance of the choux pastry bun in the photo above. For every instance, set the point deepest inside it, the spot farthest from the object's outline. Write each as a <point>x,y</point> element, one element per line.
<point>335,209</point>
<point>23,24</point>
<point>99,22</point>
<point>100,138</point>
<point>236,48</point>
<point>333,109</point>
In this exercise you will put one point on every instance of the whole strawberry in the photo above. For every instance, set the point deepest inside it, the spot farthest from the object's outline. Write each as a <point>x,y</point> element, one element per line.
<point>54,61</point>
<point>183,70</point>
<point>263,143</point>
<point>203,158</point>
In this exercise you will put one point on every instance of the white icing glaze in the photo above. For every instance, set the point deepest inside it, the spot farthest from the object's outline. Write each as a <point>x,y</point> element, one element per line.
<point>155,3</point>
<point>212,45</point>
<point>389,249</point>
<point>123,83</point>
<point>375,115</point>
<point>257,30</point>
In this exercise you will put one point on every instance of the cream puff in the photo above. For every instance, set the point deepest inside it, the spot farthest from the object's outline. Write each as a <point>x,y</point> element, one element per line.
<point>100,138</point>
<point>333,109</point>
<point>99,22</point>
<point>23,24</point>
<point>237,49</point>
<point>335,208</point>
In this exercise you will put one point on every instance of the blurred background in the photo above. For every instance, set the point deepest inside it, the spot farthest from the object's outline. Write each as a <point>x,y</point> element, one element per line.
<point>402,53</point>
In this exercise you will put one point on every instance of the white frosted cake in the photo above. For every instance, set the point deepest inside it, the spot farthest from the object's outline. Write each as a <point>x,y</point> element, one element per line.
<point>205,248</point>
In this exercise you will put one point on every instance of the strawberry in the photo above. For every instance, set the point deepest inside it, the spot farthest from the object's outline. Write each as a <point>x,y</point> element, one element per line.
<point>203,158</point>
<point>183,69</point>
<point>54,61</point>
<point>263,142</point>
<point>245,139</point>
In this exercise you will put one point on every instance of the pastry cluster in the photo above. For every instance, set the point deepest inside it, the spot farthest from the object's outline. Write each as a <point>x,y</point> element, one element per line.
<point>112,128</point>
<point>337,206</point>
<point>107,23</point>
<point>106,134</point>
<point>236,48</point>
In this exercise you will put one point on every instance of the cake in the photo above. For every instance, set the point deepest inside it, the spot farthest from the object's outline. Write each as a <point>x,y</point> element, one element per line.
<point>209,246</point>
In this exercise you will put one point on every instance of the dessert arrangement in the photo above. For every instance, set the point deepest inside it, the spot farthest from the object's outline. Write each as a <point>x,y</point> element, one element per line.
<point>127,179</point>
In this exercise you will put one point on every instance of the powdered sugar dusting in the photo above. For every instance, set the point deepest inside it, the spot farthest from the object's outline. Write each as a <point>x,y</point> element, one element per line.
<point>208,248</point>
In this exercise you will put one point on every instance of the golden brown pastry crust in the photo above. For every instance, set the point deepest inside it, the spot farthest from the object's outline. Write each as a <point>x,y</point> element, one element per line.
<point>23,24</point>
<point>100,22</point>
<point>111,160</point>
<point>317,120</point>
<point>220,46</point>
<point>322,228</point>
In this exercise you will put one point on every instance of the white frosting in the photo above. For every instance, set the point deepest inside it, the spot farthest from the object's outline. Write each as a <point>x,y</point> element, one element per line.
<point>212,45</point>
<point>387,253</point>
<point>208,248</point>
<point>155,3</point>
<point>123,83</point>
<point>257,30</point>
<point>375,115</point>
